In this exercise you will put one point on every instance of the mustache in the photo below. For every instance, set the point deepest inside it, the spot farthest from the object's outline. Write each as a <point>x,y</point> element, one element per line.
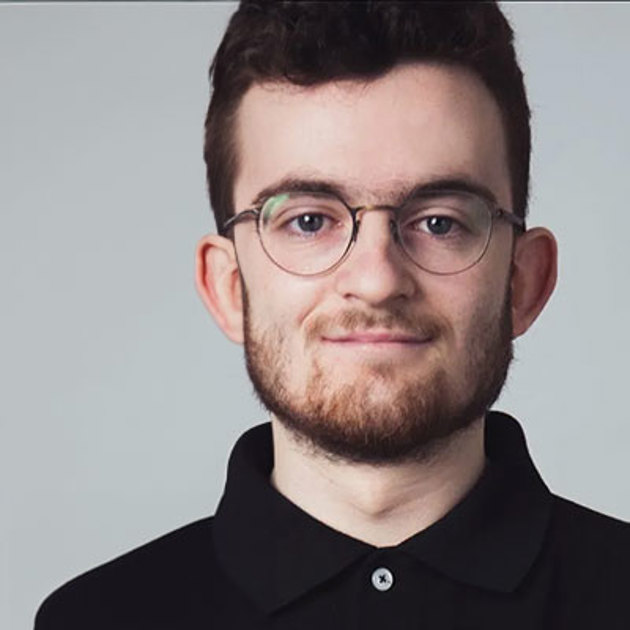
<point>351,321</point>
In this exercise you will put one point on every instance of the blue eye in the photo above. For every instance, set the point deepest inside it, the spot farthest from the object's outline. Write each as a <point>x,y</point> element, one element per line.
<point>439,225</point>
<point>310,222</point>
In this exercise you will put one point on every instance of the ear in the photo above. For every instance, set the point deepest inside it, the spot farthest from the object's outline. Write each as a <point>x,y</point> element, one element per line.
<point>219,284</point>
<point>534,276</point>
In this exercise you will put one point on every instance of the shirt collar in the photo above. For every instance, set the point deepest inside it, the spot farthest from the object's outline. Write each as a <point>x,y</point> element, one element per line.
<point>276,552</point>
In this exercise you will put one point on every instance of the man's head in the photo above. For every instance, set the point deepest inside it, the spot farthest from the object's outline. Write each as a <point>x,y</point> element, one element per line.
<point>375,359</point>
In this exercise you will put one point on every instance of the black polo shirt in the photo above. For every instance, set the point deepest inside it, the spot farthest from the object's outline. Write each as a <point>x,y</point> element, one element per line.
<point>510,556</point>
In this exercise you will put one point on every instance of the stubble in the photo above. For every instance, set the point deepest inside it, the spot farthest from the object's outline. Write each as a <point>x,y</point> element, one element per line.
<point>379,417</point>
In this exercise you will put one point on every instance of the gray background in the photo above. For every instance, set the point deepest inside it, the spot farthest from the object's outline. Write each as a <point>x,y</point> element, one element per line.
<point>121,399</point>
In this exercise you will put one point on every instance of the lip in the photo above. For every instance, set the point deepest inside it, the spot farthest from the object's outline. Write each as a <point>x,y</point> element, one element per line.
<point>375,337</point>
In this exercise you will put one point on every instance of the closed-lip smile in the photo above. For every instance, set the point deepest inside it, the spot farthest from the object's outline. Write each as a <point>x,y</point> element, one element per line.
<point>375,337</point>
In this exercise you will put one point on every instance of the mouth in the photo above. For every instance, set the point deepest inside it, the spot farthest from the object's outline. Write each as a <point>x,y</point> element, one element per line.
<point>376,338</point>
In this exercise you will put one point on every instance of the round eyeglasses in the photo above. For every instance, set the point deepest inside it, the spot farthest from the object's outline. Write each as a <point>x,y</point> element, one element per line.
<point>443,232</point>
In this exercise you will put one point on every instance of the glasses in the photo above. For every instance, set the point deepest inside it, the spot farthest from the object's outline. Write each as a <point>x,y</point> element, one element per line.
<point>443,232</point>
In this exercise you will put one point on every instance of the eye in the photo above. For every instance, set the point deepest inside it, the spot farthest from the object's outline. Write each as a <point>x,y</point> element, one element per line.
<point>438,225</point>
<point>308,222</point>
<point>311,224</point>
<point>443,217</point>
<point>295,217</point>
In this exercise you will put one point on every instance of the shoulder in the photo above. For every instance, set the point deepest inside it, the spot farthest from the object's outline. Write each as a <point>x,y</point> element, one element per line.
<point>160,578</point>
<point>592,548</point>
<point>579,523</point>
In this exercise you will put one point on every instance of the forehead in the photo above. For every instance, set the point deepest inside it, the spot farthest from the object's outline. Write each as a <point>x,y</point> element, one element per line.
<point>416,123</point>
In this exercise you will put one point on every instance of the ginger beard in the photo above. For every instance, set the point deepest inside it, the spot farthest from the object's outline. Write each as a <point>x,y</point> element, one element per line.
<point>375,418</point>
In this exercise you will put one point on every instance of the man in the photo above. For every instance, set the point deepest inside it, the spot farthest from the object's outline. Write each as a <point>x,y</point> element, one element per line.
<point>368,167</point>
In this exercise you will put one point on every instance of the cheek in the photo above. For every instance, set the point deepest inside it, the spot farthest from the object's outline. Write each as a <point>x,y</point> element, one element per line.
<point>488,281</point>
<point>470,303</point>
<point>277,300</point>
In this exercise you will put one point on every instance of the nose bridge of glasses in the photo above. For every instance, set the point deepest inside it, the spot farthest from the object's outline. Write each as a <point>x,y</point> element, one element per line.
<point>372,208</point>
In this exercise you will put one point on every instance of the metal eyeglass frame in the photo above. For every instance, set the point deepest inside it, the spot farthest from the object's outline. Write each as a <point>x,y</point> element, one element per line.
<point>496,212</point>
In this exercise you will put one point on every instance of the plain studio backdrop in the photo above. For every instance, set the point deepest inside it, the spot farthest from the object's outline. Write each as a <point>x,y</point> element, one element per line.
<point>120,397</point>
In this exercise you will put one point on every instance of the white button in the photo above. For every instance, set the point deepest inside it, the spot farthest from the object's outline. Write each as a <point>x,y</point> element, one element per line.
<point>382,579</point>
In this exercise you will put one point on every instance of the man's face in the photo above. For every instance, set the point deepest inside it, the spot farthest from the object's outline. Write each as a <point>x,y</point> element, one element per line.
<point>378,359</point>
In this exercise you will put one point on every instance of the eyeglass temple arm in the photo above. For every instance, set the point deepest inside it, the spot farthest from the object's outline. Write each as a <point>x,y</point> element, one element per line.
<point>254,212</point>
<point>510,217</point>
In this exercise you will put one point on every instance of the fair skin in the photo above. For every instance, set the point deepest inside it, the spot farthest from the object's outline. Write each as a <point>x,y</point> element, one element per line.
<point>416,124</point>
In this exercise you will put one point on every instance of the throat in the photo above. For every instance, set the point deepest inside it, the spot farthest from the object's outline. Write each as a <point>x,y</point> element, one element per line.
<point>381,505</point>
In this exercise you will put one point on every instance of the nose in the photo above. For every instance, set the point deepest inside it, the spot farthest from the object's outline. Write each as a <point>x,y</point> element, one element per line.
<point>376,270</point>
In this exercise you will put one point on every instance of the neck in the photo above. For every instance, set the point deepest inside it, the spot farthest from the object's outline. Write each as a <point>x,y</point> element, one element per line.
<point>380,505</point>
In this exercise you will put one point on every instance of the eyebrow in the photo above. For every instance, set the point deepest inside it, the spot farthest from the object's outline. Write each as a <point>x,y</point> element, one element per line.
<point>301,184</point>
<point>457,183</point>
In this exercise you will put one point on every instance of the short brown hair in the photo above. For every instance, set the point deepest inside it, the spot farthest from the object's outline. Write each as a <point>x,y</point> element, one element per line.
<point>309,43</point>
